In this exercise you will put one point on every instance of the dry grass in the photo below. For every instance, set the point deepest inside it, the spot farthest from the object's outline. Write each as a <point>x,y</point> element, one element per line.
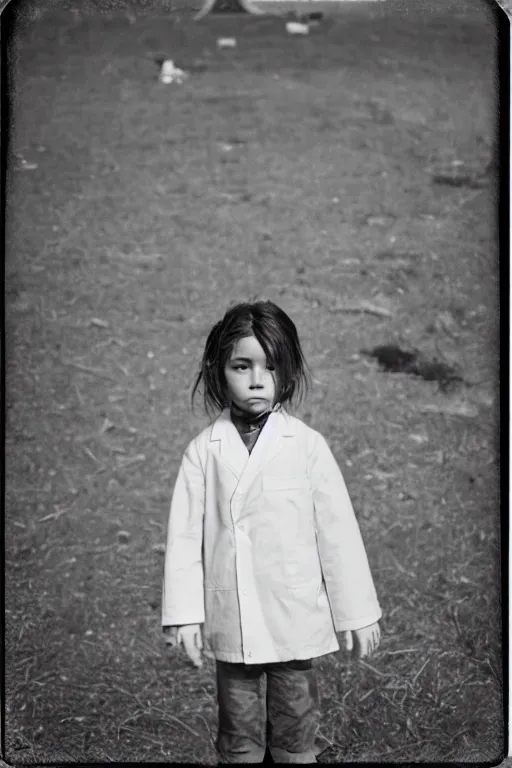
<point>136,228</point>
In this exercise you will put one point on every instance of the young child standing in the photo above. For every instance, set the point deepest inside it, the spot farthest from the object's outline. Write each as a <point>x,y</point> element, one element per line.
<point>265,563</point>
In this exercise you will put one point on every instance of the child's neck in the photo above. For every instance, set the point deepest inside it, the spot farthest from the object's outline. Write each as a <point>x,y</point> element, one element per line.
<point>247,422</point>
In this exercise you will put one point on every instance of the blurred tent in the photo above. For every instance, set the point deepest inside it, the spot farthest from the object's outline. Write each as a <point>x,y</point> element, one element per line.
<point>228,6</point>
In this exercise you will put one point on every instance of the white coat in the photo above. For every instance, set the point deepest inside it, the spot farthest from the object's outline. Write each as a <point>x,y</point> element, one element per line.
<point>264,549</point>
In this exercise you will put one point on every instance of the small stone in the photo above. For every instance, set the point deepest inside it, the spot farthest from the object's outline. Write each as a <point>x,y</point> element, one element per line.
<point>98,322</point>
<point>419,438</point>
<point>407,496</point>
<point>123,537</point>
<point>377,221</point>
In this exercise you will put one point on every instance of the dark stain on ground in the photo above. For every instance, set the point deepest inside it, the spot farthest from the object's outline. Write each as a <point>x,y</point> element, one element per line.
<point>461,180</point>
<point>393,359</point>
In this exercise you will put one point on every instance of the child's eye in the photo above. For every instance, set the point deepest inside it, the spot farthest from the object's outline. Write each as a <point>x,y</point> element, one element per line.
<point>240,367</point>
<point>271,367</point>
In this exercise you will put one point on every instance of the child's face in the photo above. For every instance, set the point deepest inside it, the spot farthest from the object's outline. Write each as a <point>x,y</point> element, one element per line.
<point>251,382</point>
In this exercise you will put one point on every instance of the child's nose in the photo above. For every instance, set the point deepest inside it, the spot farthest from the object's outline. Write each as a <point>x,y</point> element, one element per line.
<point>256,378</point>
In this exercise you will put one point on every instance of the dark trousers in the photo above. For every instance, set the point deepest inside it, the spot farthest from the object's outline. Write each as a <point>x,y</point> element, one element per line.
<point>285,718</point>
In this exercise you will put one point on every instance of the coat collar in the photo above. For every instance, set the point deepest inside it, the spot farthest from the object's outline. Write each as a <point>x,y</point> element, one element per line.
<point>280,420</point>
<point>233,453</point>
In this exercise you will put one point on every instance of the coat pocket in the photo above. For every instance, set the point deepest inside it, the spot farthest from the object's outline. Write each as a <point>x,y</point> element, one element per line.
<point>288,508</point>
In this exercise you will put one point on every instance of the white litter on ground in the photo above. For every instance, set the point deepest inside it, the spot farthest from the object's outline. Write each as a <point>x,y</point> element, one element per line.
<point>171,74</point>
<point>22,164</point>
<point>296,28</point>
<point>226,42</point>
<point>26,166</point>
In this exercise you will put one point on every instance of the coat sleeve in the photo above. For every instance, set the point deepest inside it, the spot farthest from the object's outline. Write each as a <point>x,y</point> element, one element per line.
<point>343,558</point>
<point>183,589</point>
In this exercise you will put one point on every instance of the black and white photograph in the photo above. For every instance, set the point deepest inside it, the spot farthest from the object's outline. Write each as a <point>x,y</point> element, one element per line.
<point>255,381</point>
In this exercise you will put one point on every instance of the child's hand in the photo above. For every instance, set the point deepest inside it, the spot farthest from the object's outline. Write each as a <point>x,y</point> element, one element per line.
<point>365,640</point>
<point>190,637</point>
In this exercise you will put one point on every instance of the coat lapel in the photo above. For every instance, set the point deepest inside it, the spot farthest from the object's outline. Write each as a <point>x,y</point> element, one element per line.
<point>231,450</point>
<point>233,453</point>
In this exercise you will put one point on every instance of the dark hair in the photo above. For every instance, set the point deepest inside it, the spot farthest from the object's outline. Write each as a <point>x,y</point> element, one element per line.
<point>276,333</point>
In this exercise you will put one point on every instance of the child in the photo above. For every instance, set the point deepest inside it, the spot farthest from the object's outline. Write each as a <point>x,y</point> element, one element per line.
<point>264,561</point>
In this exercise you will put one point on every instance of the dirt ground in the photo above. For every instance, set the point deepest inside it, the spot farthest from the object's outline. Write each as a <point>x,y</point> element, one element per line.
<point>344,175</point>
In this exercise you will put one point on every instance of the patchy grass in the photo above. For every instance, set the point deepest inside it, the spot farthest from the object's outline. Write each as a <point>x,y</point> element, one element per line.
<point>300,169</point>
